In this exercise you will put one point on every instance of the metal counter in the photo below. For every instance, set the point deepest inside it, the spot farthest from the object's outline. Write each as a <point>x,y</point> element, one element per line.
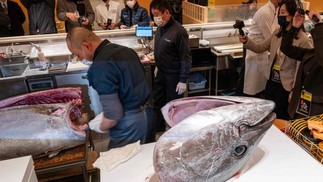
<point>55,49</point>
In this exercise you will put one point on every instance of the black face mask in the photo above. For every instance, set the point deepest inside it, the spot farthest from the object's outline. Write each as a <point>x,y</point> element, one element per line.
<point>283,22</point>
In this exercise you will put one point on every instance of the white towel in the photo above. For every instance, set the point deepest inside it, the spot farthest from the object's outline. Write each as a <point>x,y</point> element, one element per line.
<point>114,157</point>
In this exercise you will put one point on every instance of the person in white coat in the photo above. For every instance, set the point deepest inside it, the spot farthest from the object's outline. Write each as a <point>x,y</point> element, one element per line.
<point>280,70</point>
<point>107,14</point>
<point>264,22</point>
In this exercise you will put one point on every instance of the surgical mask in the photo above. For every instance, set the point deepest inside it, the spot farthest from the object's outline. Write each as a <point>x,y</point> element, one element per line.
<point>131,4</point>
<point>159,21</point>
<point>282,21</point>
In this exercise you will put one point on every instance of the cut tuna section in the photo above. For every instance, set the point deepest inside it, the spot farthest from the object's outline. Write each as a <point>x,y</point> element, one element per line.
<point>59,95</point>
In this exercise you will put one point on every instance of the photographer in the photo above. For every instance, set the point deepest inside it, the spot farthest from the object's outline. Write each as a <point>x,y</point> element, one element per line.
<point>307,95</point>
<point>280,70</point>
<point>75,13</point>
<point>107,14</point>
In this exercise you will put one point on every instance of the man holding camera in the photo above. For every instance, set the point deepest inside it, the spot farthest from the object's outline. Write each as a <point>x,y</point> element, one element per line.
<point>107,14</point>
<point>75,13</point>
<point>264,22</point>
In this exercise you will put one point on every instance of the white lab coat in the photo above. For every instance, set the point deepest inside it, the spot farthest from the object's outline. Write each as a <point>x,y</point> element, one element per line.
<point>264,22</point>
<point>102,13</point>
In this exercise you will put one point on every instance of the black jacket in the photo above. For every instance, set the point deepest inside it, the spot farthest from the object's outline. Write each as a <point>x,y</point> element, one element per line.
<point>137,15</point>
<point>17,18</point>
<point>310,72</point>
<point>41,16</point>
<point>4,23</point>
<point>172,52</point>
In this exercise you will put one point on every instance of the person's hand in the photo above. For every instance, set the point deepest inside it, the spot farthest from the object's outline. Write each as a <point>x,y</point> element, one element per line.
<point>243,39</point>
<point>312,14</point>
<point>86,22</point>
<point>71,16</point>
<point>103,26</point>
<point>180,88</point>
<point>134,26</point>
<point>298,20</point>
<point>123,26</point>
<point>112,26</point>
<point>95,123</point>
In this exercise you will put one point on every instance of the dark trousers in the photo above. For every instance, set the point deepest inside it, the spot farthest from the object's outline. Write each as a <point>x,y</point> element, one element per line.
<point>275,91</point>
<point>164,91</point>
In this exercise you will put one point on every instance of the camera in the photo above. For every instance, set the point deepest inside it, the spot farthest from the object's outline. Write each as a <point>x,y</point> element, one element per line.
<point>109,22</point>
<point>239,25</point>
<point>81,19</point>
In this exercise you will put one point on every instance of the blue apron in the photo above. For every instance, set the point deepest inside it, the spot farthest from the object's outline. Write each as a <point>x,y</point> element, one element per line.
<point>137,124</point>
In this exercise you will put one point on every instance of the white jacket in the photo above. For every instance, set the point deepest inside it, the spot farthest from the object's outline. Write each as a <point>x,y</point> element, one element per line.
<point>263,24</point>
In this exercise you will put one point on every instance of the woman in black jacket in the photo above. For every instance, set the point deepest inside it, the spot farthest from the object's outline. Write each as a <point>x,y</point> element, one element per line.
<point>307,95</point>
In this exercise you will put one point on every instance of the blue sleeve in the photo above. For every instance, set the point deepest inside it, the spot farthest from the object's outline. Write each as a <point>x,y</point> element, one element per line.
<point>122,21</point>
<point>144,18</point>
<point>111,106</point>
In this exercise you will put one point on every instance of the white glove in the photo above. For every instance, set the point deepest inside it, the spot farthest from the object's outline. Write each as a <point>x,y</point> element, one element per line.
<point>95,123</point>
<point>180,88</point>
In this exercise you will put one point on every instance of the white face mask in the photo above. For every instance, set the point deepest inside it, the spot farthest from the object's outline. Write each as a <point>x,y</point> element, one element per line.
<point>159,21</point>
<point>131,4</point>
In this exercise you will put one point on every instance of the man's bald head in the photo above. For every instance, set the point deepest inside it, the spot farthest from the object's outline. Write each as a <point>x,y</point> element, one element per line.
<point>78,35</point>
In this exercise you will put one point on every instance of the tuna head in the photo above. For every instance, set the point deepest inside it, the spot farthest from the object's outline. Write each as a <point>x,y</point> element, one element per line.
<point>213,144</point>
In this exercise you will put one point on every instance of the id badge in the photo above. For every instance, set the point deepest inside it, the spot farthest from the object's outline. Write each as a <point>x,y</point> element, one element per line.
<point>304,104</point>
<point>276,73</point>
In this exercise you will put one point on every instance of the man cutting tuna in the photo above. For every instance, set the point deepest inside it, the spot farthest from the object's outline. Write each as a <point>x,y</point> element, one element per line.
<point>118,77</point>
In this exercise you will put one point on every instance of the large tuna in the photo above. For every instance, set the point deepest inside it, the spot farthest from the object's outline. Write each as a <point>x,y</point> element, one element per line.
<point>31,124</point>
<point>38,130</point>
<point>211,137</point>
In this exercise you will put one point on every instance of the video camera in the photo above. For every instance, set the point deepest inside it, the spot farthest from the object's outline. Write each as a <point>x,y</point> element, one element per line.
<point>239,25</point>
<point>81,19</point>
<point>109,22</point>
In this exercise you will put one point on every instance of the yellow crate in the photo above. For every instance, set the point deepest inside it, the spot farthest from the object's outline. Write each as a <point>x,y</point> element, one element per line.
<point>299,132</point>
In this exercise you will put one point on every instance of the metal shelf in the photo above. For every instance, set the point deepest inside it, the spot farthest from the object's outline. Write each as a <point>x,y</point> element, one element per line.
<point>206,71</point>
<point>198,91</point>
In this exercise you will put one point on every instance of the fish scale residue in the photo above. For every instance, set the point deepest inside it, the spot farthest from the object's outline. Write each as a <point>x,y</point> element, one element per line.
<point>202,147</point>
